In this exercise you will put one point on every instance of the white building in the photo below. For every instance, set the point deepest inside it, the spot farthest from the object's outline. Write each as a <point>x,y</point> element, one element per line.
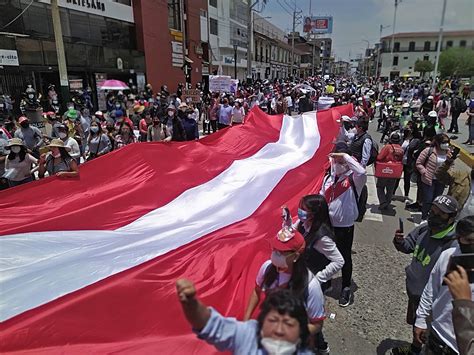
<point>228,21</point>
<point>412,46</point>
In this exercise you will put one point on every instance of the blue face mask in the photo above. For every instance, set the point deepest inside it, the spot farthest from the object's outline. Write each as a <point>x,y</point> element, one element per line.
<point>303,215</point>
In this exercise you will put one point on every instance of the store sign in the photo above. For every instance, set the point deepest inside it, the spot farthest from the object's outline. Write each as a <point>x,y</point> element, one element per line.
<point>75,84</point>
<point>9,57</point>
<point>177,56</point>
<point>106,8</point>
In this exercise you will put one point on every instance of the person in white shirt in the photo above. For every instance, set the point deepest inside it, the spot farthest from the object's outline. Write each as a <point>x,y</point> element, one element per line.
<point>436,299</point>
<point>238,113</point>
<point>347,177</point>
<point>71,143</point>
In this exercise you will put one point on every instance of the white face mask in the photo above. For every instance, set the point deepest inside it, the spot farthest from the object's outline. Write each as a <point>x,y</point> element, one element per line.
<point>444,146</point>
<point>170,113</point>
<point>15,149</point>
<point>279,260</point>
<point>94,129</point>
<point>278,346</point>
<point>62,135</point>
<point>56,155</point>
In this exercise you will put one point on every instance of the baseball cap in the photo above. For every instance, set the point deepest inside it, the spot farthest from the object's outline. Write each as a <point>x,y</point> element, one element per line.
<point>446,204</point>
<point>71,114</point>
<point>288,239</point>
<point>341,147</point>
<point>118,114</point>
<point>23,119</point>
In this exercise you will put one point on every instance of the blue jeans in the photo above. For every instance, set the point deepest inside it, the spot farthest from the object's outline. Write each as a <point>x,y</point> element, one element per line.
<point>430,192</point>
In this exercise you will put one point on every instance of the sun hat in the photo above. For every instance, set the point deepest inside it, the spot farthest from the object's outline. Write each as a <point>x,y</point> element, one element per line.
<point>288,239</point>
<point>59,144</point>
<point>15,141</point>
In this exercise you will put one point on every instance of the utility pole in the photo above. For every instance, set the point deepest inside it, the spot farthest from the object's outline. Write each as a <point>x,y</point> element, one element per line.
<point>438,49</point>
<point>293,42</point>
<point>251,5</point>
<point>58,37</point>
<point>235,61</point>
<point>392,45</point>
<point>379,51</point>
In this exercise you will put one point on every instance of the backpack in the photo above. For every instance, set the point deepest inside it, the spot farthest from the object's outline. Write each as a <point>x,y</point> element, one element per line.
<point>374,151</point>
<point>463,105</point>
<point>360,199</point>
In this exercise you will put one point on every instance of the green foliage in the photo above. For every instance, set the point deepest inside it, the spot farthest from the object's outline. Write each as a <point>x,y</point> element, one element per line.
<point>456,62</point>
<point>423,66</point>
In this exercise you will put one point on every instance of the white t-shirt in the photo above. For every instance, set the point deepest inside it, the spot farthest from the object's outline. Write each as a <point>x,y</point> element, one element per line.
<point>315,301</point>
<point>18,171</point>
<point>75,151</point>
<point>238,115</point>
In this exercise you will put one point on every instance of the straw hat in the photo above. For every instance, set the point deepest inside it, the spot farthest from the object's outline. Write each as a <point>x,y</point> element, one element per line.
<point>15,141</point>
<point>59,144</point>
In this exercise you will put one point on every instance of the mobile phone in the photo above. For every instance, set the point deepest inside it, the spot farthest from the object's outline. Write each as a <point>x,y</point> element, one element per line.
<point>286,216</point>
<point>400,224</point>
<point>455,153</point>
<point>464,260</point>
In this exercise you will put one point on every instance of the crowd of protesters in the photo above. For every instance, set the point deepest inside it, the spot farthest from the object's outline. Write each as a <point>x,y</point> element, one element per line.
<point>310,250</point>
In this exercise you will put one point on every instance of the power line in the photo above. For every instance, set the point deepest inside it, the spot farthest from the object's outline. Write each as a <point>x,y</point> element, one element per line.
<point>19,15</point>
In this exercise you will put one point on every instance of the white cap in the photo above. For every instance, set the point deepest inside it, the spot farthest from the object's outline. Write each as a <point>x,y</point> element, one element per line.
<point>430,97</point>
<point>399,99</point>
<point>433,114</point>
<point>406,105</point>
<point>346,119</point>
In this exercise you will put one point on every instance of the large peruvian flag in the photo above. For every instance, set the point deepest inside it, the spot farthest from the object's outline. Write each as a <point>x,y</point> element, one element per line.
<point>89,265</point>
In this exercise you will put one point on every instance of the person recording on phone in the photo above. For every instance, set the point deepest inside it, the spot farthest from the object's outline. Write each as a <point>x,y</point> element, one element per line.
<point>426,242</point>
<point>442,291</point>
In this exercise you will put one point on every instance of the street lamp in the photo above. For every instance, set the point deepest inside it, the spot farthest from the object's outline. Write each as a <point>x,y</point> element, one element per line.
<point>379,52</point>
<point>235,61</point>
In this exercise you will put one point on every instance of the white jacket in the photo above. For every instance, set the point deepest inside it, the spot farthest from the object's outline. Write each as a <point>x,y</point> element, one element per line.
<point>343,210</point>
<point>437,299</point>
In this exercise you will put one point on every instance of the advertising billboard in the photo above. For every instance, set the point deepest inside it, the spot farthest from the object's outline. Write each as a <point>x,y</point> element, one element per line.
<point>317,24</point>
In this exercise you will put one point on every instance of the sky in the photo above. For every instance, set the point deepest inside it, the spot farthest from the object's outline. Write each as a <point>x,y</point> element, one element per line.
<point>358,21</point>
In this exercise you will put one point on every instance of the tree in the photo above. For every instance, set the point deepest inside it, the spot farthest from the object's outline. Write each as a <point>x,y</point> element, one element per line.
<point>423,67</point>
<point>456,62</point>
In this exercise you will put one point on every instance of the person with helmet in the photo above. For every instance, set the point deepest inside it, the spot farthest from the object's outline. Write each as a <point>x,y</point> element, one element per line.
<point>404,115</point>
<point>427,106</point>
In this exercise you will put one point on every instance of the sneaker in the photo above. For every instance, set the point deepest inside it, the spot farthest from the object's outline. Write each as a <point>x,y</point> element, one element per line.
<point>324,351</point>
<point>346,297</point>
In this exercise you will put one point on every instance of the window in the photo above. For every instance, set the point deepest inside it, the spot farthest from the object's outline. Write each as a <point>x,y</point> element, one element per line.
<point>436,46</point>
<point>411,46</point>
<point>396,47</point>
<point>449,44</point>
<point>213,3</point>
<point>174,15</point>
<point>405,58</point>
<point>427,46</point>
<point>395,61</point>
<point>462,43</point>
<point>426,57</point>
<point>213,26</point>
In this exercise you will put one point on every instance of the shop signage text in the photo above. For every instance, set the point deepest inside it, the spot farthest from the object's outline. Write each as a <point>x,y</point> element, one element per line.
<point>89,4</point>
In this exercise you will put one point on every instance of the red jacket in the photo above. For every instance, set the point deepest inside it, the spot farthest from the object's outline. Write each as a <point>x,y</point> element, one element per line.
<point>390,152</point>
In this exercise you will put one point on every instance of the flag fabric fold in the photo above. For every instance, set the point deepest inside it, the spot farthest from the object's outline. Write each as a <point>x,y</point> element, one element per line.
<point>89,265</point>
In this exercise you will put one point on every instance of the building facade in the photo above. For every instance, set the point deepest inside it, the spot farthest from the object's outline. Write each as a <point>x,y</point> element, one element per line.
<point>412,46</point>
<point>99,40</point>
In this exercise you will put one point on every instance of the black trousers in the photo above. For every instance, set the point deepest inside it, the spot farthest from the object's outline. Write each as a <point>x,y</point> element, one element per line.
<point>407,171</point>
<point>213,126</point>
<point>454,122</point>
<point>222,126</point>
<point>344,238</point>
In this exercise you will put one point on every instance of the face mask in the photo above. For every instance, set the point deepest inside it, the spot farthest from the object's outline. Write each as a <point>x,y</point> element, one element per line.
<point>303,215</point>
<point>279,260</point>
<point>56,155</point>
<point>15,149</point>
<point>466,248</point>
<point>117,106</point>
<point>94,129</point>
<point>278,346</point>
<point>31,96</point>
<point>436,222</point>
<point>444,146</point>
<point>170,113</point>
<point>62,135</point>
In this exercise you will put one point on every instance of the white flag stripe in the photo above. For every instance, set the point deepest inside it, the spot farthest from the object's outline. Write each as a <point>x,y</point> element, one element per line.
<point>37,268</point>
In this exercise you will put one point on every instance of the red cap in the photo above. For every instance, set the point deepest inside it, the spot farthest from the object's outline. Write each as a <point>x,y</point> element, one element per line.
<point>22,119</point>
<point>288,240</point>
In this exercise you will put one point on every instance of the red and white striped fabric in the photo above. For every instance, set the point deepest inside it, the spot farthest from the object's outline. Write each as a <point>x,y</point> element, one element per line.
<point>89,265</point>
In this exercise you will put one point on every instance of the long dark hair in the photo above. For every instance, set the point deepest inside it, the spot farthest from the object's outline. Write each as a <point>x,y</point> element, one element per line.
<point>285,302</point>
<point>298,281</point>
<point>21,154</point>
<point>319,208</point>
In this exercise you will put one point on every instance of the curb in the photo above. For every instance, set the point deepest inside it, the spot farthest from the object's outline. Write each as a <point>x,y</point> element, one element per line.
<point>465,156</point>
